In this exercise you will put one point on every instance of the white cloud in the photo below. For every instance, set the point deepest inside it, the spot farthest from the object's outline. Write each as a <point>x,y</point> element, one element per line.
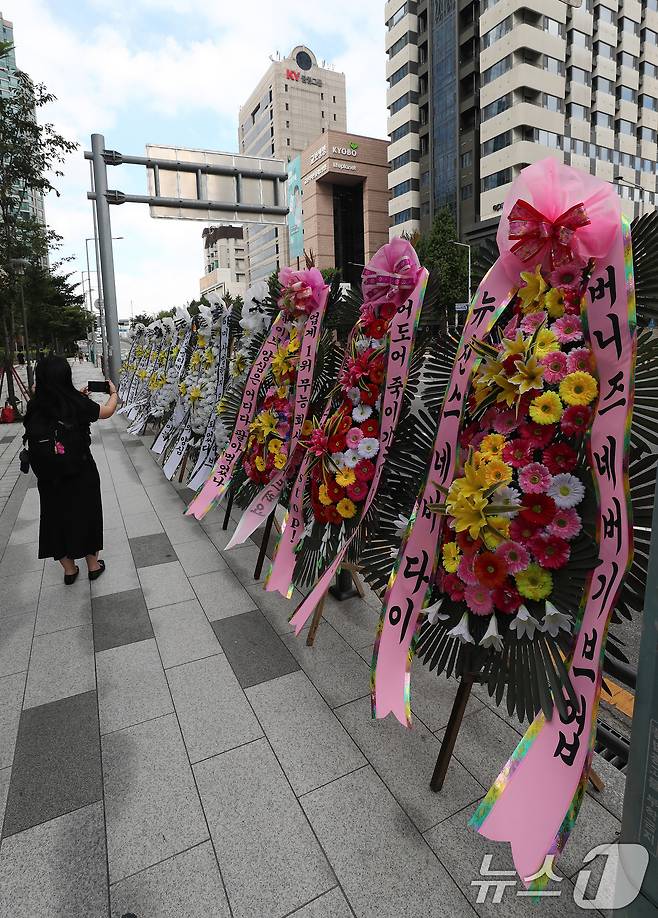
<point>122,70</point>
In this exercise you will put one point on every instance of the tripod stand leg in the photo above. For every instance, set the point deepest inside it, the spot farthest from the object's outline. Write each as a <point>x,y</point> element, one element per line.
<point>452,730</point>
<point>263,545</point>
<point>227,514</point>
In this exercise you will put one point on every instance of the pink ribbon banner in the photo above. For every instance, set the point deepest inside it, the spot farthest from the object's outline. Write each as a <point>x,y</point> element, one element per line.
<point>266,500</point>
<point>215,487</point>
<point>534,802</point>
<point>414,568</point>
<point>401,338</point>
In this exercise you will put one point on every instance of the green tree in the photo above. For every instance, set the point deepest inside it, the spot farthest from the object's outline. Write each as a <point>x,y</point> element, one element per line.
<point>56,315</point>
<point>437,251</point>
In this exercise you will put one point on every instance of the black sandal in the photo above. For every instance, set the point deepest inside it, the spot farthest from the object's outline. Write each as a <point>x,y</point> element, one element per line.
<point>94,575</point>
<point>71,578</point>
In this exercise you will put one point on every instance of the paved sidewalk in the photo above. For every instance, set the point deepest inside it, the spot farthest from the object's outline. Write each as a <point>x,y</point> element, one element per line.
<point>169,748</point>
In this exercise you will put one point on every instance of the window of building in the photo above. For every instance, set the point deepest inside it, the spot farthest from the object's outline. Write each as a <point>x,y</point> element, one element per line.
<point>288,125</point>
<point>402,188</point>
<point>625,127</point>
<point>579,39</point>
<point>398,161</point>
<point>322,114</point>
<point>496,180</point>
<point>647,165</point>
<point>398,45</point>
<point>424,145</point>
<point>424,179</point>
<point>605,14</point>
<point>604,120</point>
<point>649,102</point>
<point>400,132</point>
<point>553,65</point>
<point>334,99</point>
<point>578,75</point>
<point>398,15</point>
<point>287,107</point>
<point>649,36</point>
<point>646,133</point>
<point>626,94</point>
<point>575,146</point>
<point>629,26</point>
<point>497,32</point>
<point>649,70</point>
<point>603,49</point>
<point>334,116</point>
<point>547,139</point>
<point>552,103</point>
<point>466,160</point>
<point>496,107</point>
<point>603,84</point>
<point>652,5</point>
<point>578,111</point>
<point>402,216</point>
<point>285,87</point>
<point>497,70</point>
<point>399,104</point>
<point>287,141</point>
<point>624,59</point>
<point>466,192</point>
<point>487,5</point>
<point>425,209</point>
<point>398,75</point>
<point>496,143</point>
<point>552,26</point>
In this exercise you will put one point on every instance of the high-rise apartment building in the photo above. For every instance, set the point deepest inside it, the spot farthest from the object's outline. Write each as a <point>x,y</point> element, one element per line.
<point>224,260</point>
<point>33,200</point>
<point>296,100</point>
<point>478,89</point>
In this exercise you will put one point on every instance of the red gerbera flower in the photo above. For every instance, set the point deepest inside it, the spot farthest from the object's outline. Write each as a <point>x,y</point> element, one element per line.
<point>522,530</point>
<point>335,491</point>
<point>344,425</point>
<point>490,570</point>
<point>538,435</point>
<point>364,470</point>
<point>560,457</point>
<point>376,372</point>
<point>386,311</point>
<point>337,443</point>
<point>370,428</point>
<point>507,598</point>
<point>370,394</point>
<point>377,329</point>
<point>357,491</point>
<point>468,545</point>
<point>537,508</point>
<point>453,586</point>
<point>334,516</point>
<point>518,453</point>
<point>576,420</point>
<point>550,552</point>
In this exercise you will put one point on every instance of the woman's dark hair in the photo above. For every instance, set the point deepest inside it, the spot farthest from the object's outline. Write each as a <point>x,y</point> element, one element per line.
<point>54,392</point>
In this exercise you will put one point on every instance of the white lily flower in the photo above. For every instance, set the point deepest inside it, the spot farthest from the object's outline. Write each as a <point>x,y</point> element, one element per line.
<point>524,623</point>
<point>401,524</point>
<point>492,636</point>
<point>432,612</point>
<point>461,630</point>
<point>554,620</point>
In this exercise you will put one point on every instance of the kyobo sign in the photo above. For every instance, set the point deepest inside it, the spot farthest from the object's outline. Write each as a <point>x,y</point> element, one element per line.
<point>349,150</point>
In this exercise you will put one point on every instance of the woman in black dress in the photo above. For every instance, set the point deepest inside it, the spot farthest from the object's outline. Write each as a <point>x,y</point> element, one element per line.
<point>71,521</point>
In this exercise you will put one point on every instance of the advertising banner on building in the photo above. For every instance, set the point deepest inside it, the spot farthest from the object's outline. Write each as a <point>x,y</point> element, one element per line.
<point>295,225</point>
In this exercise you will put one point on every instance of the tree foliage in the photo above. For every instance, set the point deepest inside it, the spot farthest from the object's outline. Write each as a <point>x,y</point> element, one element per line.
<point>437,250</point>
<point>55,310</point>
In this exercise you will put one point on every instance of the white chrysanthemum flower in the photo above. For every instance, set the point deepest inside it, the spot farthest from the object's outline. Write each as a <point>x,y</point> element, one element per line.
<point>566,490</point>
<point>350,458</point>
<point>362,344</point>
<point>361,413</point>
<point>354,395</point>
<point>368,447</point>
<point>507,497</point>
<point>377,342</point>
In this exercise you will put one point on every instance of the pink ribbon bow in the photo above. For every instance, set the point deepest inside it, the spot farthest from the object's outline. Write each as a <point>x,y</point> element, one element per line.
<point>392,272</point>
<point>534,232</point>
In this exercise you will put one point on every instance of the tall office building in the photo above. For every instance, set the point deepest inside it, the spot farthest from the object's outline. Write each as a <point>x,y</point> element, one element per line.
<point>478,89</point>
<point>33,201</point>
<point>225,260</point>
<point>296,100</point>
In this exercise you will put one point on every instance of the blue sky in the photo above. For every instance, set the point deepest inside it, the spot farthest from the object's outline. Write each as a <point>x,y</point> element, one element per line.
<point>174,72</point>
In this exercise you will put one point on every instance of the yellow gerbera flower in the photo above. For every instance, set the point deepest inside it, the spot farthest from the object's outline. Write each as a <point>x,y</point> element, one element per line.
<point>534,582</point>
<point>201,341</point>
<point>533,289</point>
<point>195,393</point>
<point>260,463</point>
<point>546,408</point>
<point>545,343</point>
<point>451,556</point>
<point>579,388</point>
<point>182,388</point>
<point>346,507</point>
<point>324,496</point>
<point>497,472</point>
<point>274,445</point>
<point>497,531</point>
<point>280,459</point>
<point>529,375</point>
<point>554,303</point>
<point>345,477</point>
<point>307,428</point>
<point>492,445</point>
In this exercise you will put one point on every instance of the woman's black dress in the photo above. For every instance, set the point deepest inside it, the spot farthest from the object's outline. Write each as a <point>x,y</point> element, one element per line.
<point>71,523</point>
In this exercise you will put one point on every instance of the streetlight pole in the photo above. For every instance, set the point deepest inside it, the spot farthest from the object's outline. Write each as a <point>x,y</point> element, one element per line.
<point>465,245</point>
<point>19,265</point>
<point>101,314</point>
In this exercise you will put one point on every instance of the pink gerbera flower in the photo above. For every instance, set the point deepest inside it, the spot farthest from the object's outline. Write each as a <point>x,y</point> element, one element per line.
<point>511,328</point>
<point>354,437</point>
<point>568,329</point>
<point>478,599</point>
<point>566,524</point>
<point>567,277</point>
<point>535,478</point>
<point>532,321</point>
<point>465,570</point>
<point>555,366</point>
<point>551,553</point>
<point>504,422</point>
<point>579,360</point>
<point>514,555</point>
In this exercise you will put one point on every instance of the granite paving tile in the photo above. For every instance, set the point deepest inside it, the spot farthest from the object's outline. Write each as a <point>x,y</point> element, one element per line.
<point>19,559</point>
<point>151,804</point>
<point>149,550</point>
<point>461,850</point>
<point>212,525</point>
<point>19,593</point>
<point>62,664</point>
<point>62,606</point>
<point>254,650</point>
<point>276,608</point>
<point>271,862</point>
<point>432,696</point>
<point>11,703</point>
<point>142,524</point>
<point>5,776</point>
<point>188,884</point>
<point>595,826</point>
<point>25,532</point>
<point>404,759</point>
<point>165,584</point>
<point>200,557</point>
<point>120,575</point>
<point>381,860</point>
<point>337,671</point>
<point>354,619</point>
<point>329,905</point>
<point>182,528</point>
<point>242,560</point>
<point>65,862</point>
<point>221,594</point>
<point>311,745</point>
<point>183,633</point>
<point>120,618</point>
<point>212,709</point>
<point>612,795</point>
<point>57,767</point>
<point>131,685</point>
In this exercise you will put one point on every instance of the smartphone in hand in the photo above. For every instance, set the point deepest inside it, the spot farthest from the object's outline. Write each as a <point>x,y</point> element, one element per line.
<point>98,385</point>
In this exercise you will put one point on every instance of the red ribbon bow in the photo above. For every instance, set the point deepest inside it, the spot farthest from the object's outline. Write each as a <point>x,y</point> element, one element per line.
<point>534,232</point>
